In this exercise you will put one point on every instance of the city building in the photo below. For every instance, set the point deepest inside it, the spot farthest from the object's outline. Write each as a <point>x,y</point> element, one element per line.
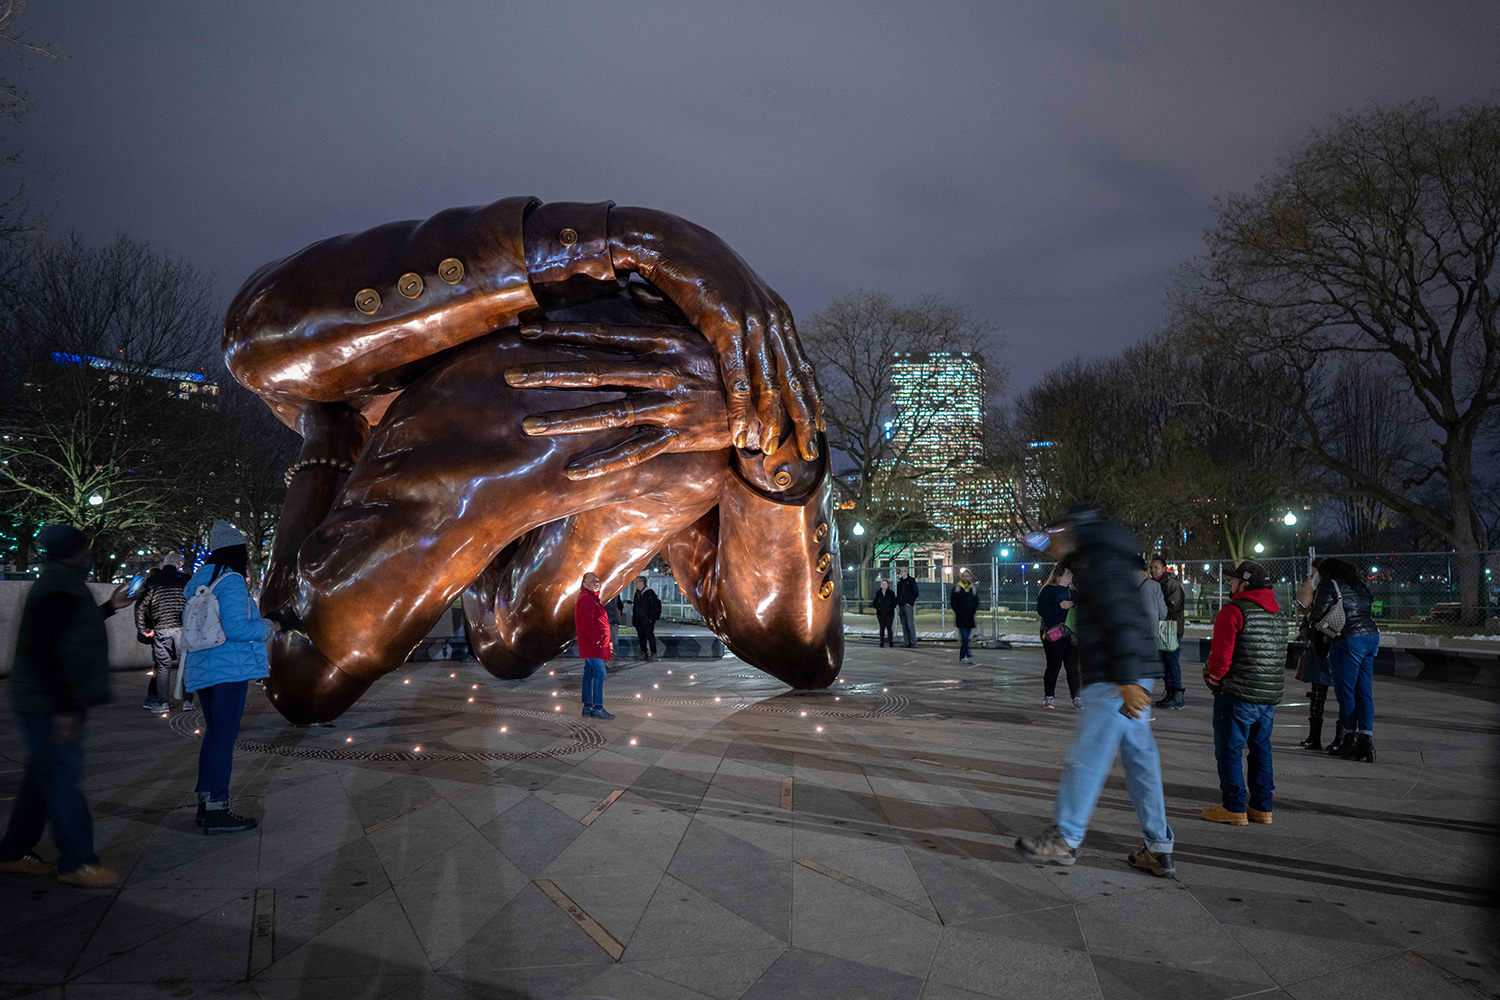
<point>938,433</point>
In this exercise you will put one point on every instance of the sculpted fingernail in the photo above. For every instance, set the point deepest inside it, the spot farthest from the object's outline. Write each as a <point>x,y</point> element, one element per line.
<point>515,376</point>
<point>533,425</point>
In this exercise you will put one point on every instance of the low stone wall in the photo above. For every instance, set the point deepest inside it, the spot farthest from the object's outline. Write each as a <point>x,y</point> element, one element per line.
<point>124,652</point>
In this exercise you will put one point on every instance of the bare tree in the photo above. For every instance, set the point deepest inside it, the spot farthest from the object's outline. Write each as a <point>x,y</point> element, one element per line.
<point>855,343</point>
<point>15,220</point>
<point>103,399</point>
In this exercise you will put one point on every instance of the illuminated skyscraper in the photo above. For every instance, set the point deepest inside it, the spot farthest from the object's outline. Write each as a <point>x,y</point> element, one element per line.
<point>938,433</point>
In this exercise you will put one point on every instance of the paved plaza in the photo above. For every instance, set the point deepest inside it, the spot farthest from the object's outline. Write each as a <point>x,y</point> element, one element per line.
<point>453,836</point>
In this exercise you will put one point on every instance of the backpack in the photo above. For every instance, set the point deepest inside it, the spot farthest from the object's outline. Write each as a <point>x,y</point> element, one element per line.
<point>202,627</point>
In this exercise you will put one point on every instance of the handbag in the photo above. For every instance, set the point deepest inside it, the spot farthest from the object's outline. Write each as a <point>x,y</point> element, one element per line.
<point>1332,622</point>
<point>1166,635</point>
<point>1056,633</point>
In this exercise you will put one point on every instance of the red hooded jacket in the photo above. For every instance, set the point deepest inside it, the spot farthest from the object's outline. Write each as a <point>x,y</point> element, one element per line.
<point>1227,627</point>
<point>592,622</point>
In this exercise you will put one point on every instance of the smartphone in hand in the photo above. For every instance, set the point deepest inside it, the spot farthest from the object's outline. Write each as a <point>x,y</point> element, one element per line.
<point>137,584</point>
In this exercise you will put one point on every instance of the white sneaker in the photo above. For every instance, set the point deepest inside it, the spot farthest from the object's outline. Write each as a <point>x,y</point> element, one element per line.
<point>1077,702</point>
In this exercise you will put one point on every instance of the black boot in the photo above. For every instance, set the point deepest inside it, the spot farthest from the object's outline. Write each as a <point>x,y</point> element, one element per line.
<point>219,818</point>
<point>1314,739</point>
<point>1361,747</point>
<point>1342,740</point>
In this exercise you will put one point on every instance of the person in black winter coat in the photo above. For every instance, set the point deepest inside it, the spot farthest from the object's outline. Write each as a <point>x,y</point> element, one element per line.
<point>885,612</point>
<point>645,609</point>
<point>964,600</point>
<point>1117,654</point>
<point>906,603</point>
<point>1351,655</point>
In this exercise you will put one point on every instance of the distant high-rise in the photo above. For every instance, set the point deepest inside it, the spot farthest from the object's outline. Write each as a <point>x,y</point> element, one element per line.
<point>938,432</point>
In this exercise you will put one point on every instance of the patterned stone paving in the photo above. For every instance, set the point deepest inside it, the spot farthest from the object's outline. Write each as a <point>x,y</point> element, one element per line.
<point>715,841</point>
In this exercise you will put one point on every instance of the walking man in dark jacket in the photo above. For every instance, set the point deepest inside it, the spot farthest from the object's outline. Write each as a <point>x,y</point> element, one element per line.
<point>645,609</point>
<point>906,603</point>
<point>1246,671</point>
<point>61,669</point>
<point>1117,657</point>
<point>1171,659</point>
<point>158,619</point>
<point>964,600</point>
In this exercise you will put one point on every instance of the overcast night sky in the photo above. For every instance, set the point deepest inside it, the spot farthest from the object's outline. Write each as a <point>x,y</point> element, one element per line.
<point>1044,164</point>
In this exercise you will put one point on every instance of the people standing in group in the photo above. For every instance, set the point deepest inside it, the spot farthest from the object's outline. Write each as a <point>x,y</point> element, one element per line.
<point>591,623</point>
<point>1246,671</point>
<point>1342,608</point>
<point>906,605</point>
<point>645,609</point>
<point>61,670</point>
<point>1117,652</point>
<point>225,639</point>
<point>158,622</point>
<point>1171,650</point>
<point>1312,666</point>
<point>885,611</point>
<point>1052,604</point>
<point>964,600</point>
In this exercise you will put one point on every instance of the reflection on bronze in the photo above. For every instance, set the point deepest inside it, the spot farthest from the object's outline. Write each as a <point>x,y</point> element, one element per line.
<point>545,418</point>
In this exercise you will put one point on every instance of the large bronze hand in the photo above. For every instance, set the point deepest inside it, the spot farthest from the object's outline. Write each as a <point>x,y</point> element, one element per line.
<point>670,394</point>
<point>760,359</point>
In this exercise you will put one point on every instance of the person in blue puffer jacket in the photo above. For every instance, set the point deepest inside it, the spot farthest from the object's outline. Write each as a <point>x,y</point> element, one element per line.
<point>221,675</point>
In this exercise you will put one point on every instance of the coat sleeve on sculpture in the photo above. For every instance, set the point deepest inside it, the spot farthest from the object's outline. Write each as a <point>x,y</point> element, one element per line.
<point>340,318</point>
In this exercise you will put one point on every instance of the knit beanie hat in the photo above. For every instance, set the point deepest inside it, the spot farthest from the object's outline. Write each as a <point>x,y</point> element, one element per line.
<point>222,535</point>
<point>172,559</point>
<point>59,541</point>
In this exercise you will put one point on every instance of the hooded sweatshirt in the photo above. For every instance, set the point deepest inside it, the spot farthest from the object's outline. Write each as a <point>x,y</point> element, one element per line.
<point>1227,627</point>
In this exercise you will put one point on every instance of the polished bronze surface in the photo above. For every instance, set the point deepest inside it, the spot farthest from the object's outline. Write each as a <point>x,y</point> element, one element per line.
<point>533,417</point>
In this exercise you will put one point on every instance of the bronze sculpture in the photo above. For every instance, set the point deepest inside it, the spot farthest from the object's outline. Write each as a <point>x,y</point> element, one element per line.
<point>487,408</point>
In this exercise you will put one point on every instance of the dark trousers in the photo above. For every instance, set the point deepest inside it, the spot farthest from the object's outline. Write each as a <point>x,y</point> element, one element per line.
<point>963,643</point>
<point>886,619</point>
<point>909,622</point>
<point>222,706</point>
<point>1171,664</point>
<point>646,631</point>
<point>163,659</point>
<point>1060,655</point>
<point>1238,724</point>
<point>49,791</point>
<point>593,682</point>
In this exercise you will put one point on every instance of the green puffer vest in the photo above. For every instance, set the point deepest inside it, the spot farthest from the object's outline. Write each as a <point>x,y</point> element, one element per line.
<point>82,650</point>
<point>1257,673</point>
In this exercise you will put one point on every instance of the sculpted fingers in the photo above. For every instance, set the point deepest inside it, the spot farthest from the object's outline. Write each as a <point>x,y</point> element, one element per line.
<point>591,375</point>
<point>607,337</point>
<point>630,452</point>
<point>626,412</point>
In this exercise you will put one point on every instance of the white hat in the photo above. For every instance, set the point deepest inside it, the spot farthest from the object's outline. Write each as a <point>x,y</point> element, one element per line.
<point>222,535</point>
<point>172,559</point>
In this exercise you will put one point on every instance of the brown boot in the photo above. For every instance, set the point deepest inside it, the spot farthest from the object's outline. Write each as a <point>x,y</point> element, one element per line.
<point>29,864</point>
<point>1256,816</point>
<point>1218,814</point>
<point>90,877</point>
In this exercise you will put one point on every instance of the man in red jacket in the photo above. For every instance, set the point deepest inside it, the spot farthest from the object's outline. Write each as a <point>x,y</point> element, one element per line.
<point>591,620</point>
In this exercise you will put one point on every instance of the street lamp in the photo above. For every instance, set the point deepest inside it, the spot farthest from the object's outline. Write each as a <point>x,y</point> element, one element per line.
<point>859,529</point>
<point>1259,548</point>
<point>1005,553</point>
<point>95,500</point>
<point>1290,519</point>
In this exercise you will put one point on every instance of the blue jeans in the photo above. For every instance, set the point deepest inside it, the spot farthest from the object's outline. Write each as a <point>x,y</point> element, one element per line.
<point>1352,661</point>
<point>963,643</point>
<point>593,682</point>
<point>1236,724</point>
<point>1171,664</point>
<point>222,706</point>
<point>49,791</point>
<point>1103,732</point>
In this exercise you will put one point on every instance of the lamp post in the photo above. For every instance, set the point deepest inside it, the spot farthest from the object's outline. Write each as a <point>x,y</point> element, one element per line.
<point>859,532</point>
